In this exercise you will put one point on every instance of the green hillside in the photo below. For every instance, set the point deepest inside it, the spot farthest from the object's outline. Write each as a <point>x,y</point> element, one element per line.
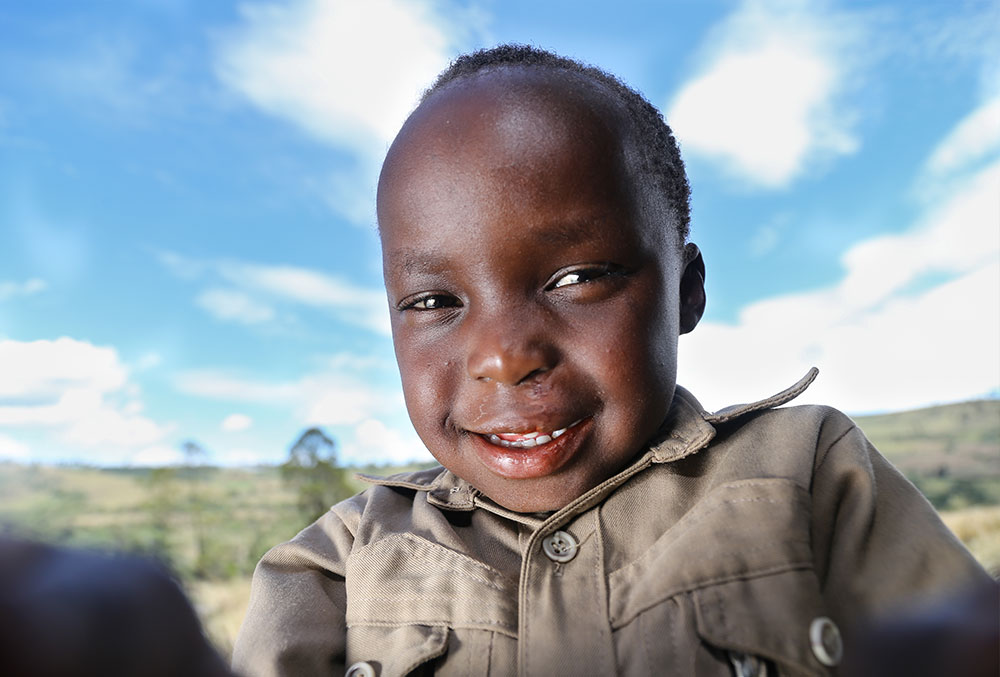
<point>952,452</point>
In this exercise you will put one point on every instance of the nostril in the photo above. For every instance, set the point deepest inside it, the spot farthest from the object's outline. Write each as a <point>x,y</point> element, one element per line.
<point>509,367</point>
<point>533,375</point>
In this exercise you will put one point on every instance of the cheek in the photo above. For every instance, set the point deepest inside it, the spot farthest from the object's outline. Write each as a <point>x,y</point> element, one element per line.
<point>634,365</point>
<point>427,376</point>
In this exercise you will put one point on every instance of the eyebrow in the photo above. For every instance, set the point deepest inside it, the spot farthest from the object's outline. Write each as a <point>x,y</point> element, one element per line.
<point>570,232</point>
<point>411,260</point>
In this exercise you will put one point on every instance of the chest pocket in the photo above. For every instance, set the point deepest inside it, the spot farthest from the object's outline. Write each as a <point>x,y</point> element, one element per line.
<point>733,578</point>
<point>768,617</point>
<point>411,601</point>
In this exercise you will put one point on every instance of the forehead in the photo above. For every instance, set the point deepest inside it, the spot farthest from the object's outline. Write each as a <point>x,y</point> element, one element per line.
<point>506,125</point>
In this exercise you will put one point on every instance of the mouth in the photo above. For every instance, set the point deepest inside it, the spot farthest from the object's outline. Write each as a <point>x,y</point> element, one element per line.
<point>525,455</point>
<point>526,440</point>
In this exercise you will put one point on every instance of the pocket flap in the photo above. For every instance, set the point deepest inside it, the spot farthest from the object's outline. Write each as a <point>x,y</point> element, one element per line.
<point>396,651</point>
<point>769,616</point>
<point>407,580</point>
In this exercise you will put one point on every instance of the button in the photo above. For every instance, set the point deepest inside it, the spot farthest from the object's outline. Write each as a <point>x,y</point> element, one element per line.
<point>827,645</point>
<point>360,669</point>
<point>560,546</point>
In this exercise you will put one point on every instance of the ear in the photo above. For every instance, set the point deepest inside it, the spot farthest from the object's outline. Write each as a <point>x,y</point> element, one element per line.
<point>692,288</point>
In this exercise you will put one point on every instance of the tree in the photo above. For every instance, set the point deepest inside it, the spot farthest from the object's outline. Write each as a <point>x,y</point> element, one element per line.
<point>311,469</point>
<point>195,457</point>
<point>161,505</point>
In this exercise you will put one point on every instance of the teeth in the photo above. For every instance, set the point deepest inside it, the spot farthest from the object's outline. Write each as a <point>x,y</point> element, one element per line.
<point>529,440</point>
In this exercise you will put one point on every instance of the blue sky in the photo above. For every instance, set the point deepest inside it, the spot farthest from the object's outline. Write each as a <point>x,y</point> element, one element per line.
<point>187,247</point>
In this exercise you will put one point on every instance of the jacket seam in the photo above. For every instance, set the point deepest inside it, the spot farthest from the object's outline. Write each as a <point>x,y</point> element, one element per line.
<point>820,461</point>
<point>617,623</point>
<point>502,628</point>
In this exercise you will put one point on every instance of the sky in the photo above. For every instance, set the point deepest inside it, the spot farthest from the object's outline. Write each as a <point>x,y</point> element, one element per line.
<point>187,235</point>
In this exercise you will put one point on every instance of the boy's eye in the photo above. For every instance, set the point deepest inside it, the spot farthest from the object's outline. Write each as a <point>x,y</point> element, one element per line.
<point>580,275</point>
<point>429,302</point>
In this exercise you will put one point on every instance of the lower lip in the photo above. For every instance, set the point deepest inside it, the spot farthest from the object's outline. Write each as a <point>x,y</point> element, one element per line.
<point>545,459</point>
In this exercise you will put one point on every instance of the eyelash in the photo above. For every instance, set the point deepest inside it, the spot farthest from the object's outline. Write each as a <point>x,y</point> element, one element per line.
<point>583,275</point>
<point>440,301</point>
<point>414,303</point>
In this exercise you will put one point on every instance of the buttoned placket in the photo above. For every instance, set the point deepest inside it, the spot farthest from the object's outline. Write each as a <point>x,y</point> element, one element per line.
<point>563,601</point>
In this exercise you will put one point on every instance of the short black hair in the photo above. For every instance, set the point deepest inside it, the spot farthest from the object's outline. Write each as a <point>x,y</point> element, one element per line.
<point>658,155</point>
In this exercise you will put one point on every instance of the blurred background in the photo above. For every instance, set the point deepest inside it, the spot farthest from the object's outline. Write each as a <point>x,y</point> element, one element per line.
<point>194,344</point>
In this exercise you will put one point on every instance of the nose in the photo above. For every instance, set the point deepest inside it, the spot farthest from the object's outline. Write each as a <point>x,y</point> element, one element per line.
<point>509,351</point>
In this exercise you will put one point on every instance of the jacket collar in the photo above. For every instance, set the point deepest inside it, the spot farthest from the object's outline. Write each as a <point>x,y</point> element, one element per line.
<point>687,429</point>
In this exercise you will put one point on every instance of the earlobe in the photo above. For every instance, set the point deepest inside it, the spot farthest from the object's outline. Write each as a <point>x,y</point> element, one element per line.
<point>692,289</point>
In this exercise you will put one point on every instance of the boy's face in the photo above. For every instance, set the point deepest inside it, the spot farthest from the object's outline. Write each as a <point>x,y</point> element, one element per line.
<point>535,313</point>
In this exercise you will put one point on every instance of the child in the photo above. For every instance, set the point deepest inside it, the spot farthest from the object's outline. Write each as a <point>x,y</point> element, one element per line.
<point>590,518</point>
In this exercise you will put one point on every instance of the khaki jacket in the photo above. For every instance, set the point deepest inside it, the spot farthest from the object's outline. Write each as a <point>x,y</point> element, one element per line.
<point>744,538</point>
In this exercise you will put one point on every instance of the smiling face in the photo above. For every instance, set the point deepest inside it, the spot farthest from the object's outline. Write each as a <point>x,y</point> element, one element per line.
<point>535,313</point>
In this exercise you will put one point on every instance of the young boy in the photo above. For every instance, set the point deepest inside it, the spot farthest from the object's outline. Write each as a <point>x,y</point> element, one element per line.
<point>590,517</point>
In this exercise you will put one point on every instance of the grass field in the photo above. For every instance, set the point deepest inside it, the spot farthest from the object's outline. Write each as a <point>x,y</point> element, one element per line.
<point>211,525</point>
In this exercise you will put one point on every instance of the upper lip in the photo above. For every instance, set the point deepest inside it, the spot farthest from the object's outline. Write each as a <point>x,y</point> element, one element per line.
<point>508,414</point>
<point>525,427</point>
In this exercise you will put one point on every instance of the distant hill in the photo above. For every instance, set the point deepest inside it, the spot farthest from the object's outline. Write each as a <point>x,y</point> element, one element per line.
<point>960,440</point>
<point>952,451</point>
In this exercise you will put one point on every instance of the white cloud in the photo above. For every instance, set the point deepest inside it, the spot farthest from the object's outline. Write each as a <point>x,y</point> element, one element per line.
<point>360,306</point>
<point>375,442</point>
<point>220,386</point>
<point>235,423</point>
<point>353,362</point>
<point>157,456</point>
<point>366,415</point>
<point>258,286</point>
<point>227,304</point>
<point>148,361</point>
<point>241,456</point>
<point>45,369</point>
<point>77,391</point>
<point>766,102</point>
<point>301,285</point>
<point>12,450</point>
<point>976,137</point>
<point>29,287</point>
<point>891,334</point>
<point>327,398</point>
<point>346,72</point>
<point>183,267</point>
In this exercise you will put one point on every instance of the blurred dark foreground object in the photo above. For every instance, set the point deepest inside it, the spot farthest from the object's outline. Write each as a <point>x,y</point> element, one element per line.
<point>76,613</point>
<point>956,635</point>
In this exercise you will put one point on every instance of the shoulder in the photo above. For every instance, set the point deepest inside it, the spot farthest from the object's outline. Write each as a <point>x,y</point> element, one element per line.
<point>767,439</point>
<point>391,503</point>
<point>813,425</point>
<point>793,424</point>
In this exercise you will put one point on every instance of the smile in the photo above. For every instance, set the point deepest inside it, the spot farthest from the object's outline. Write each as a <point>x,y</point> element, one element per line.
<point>526,440</point>
<point>528,455</point>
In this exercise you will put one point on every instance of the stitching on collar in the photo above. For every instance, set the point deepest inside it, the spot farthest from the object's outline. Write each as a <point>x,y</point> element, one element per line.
<point>407,480</point>
<point>444,489</point>
<point>786,395</point>
<point>689,432</point>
